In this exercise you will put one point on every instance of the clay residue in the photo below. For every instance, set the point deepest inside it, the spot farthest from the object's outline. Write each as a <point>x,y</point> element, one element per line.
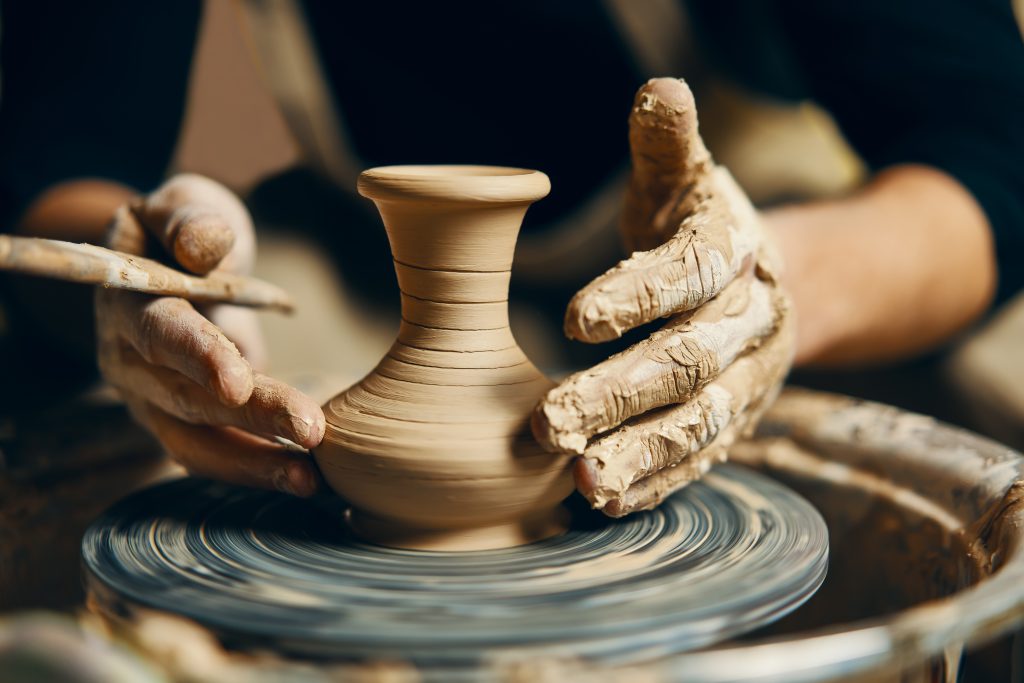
<point>992,536</point>
<point>636,466</point>
<point>200,222</point>
<point>669,161</point>
<point>705,253</point>
<point>669,368</point>
<point>654,417</point>
<point>661,440</point>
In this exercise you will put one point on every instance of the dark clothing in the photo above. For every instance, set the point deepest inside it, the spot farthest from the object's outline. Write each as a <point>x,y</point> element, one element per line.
<point>90,89</point>
<point>96,89</point>
<point>939,83</point>
<point>532,83</point>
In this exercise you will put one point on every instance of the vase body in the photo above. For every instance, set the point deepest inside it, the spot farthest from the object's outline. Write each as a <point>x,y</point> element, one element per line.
<point>433,448</point>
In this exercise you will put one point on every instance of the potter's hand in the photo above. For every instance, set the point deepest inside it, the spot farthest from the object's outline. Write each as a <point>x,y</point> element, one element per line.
<point>651,419</point>
<point>188,375</point>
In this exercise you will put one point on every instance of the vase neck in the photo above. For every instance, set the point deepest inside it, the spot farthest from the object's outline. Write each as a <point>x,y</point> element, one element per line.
<point>449,300</point>
<point>453,263</point>
<point>452,236</point>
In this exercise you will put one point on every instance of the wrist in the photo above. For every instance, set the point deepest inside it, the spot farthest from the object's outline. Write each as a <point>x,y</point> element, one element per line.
<point>787,237</point>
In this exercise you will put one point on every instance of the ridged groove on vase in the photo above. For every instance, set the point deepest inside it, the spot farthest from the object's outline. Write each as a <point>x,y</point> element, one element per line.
<point>456,341</point>
<point>453,286</point>
<point>459,377</point>
<point>499,358</point>
<point>437,436</point>
<point>445,316</point>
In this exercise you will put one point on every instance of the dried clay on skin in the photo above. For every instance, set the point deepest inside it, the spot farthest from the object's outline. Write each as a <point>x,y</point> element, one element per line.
<point>684,395</point>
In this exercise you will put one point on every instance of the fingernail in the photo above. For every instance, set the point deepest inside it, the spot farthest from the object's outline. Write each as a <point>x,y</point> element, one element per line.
<point>201,240</point>
<point>613,508</point>
<point>315,428</point>
<point>305,431</point>
<point>292,427</point>
<point>586,478</point>
<point>234,382</point>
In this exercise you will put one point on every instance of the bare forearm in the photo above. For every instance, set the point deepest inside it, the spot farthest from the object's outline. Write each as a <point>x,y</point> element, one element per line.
<point>891,271</point>
<point>76,211</point>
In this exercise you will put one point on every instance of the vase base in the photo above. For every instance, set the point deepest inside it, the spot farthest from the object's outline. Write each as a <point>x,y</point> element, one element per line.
<point>395,534</point>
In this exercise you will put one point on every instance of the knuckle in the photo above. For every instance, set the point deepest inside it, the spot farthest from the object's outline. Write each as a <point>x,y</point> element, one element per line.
<point>622,400</point>
<point>219,364</point>
<point>688,364</point>
<point>155,321</point>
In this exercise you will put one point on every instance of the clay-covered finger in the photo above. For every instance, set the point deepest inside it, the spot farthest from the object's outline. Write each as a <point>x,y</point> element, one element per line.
<point>674,437</point>
<point>296,417</point>
<point>711,245</point>
<point>241,325</point>
<point>233,456</point>
<point>669,160</point>
<point>273,409</point>
<point>168,331</point>
<point>636,466</point>
<point>650,492</point>
<point>200,223</point>
<point>668,368</point>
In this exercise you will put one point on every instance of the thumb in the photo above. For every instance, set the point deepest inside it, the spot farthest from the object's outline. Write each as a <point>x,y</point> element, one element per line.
<point>198,221</point>
<point>669,160</point>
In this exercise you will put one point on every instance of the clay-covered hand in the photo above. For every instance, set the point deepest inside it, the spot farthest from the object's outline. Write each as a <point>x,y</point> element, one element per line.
<point>187,374</point>
<point>651,419</point>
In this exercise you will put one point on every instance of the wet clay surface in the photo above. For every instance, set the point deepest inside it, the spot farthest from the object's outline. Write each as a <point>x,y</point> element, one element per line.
<point>432,448</point>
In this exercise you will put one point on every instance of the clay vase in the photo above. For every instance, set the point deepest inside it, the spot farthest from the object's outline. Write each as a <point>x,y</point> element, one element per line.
<point>433,449</point>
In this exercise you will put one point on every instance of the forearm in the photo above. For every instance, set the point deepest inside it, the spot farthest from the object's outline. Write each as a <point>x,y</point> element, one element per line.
<point>891,271</point>
<point>76,211</point>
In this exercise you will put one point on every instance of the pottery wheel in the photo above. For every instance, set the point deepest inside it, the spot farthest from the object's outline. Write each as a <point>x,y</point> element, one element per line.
<point>267,571</point>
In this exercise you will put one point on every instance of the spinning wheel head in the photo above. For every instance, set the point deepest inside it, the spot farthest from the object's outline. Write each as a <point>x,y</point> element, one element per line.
<point>261,570</point>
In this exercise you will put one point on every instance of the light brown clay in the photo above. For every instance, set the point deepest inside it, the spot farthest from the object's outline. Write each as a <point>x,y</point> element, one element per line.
<point>433,448</point>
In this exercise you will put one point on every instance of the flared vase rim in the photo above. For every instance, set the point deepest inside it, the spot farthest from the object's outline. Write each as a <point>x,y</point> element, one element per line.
<point>454,183</point>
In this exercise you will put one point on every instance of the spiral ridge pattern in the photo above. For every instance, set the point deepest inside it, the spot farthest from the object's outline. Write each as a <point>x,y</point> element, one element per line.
<point>722,557</point>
